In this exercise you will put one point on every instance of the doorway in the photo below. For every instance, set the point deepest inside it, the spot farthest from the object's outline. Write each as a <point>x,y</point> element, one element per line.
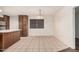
<point>77,28</point>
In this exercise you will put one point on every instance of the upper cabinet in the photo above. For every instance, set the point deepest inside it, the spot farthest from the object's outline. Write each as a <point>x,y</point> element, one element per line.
<point>4,22</point>
<point>7,20</point>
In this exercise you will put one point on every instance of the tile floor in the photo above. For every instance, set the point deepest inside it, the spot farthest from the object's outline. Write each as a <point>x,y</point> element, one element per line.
<point>37,44</point>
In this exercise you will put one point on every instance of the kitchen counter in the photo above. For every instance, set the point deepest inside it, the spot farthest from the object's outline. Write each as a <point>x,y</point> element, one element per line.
<point>10,30</point>
<point>8,38</point>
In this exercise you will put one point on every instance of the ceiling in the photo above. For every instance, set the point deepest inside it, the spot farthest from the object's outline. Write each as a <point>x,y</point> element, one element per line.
<point>29,10</point>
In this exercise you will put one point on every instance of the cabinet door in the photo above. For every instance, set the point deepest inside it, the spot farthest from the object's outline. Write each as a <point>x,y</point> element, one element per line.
<point>23,25</point>
<point>1,41</point>
<point>10,38</point>
<point>20,24</point>
<point>16,36</point>
<point>25,33</point>
<point>7,40</point>
<point>7,20</point>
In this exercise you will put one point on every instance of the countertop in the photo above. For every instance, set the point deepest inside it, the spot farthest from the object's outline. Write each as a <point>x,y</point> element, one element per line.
<point>10,30</point>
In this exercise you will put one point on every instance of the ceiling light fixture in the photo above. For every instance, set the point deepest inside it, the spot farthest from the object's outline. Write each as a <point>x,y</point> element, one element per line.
<point>40,14</point>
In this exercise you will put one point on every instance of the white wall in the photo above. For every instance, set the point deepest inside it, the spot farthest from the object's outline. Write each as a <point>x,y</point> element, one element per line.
<point>14,23</point>
<point>48,27</point>
<point>64,28</point>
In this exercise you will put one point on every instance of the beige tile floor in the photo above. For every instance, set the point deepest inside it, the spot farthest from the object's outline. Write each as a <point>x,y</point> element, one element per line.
<point>37,44</point>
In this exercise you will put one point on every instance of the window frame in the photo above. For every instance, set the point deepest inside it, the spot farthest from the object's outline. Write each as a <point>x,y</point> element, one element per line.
<point>36,24</point>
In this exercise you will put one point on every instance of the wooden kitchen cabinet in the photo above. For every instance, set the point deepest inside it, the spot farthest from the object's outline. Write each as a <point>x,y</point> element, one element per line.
<point>6,18</point>
<point>5,22</point>
<point>23,25</point>
<point>8,38</point>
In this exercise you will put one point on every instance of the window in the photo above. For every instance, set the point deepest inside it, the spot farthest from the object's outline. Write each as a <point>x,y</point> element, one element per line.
<point>36,23</point>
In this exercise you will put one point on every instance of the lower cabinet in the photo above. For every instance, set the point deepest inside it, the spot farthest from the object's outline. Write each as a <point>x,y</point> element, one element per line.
<point>9,38</point>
